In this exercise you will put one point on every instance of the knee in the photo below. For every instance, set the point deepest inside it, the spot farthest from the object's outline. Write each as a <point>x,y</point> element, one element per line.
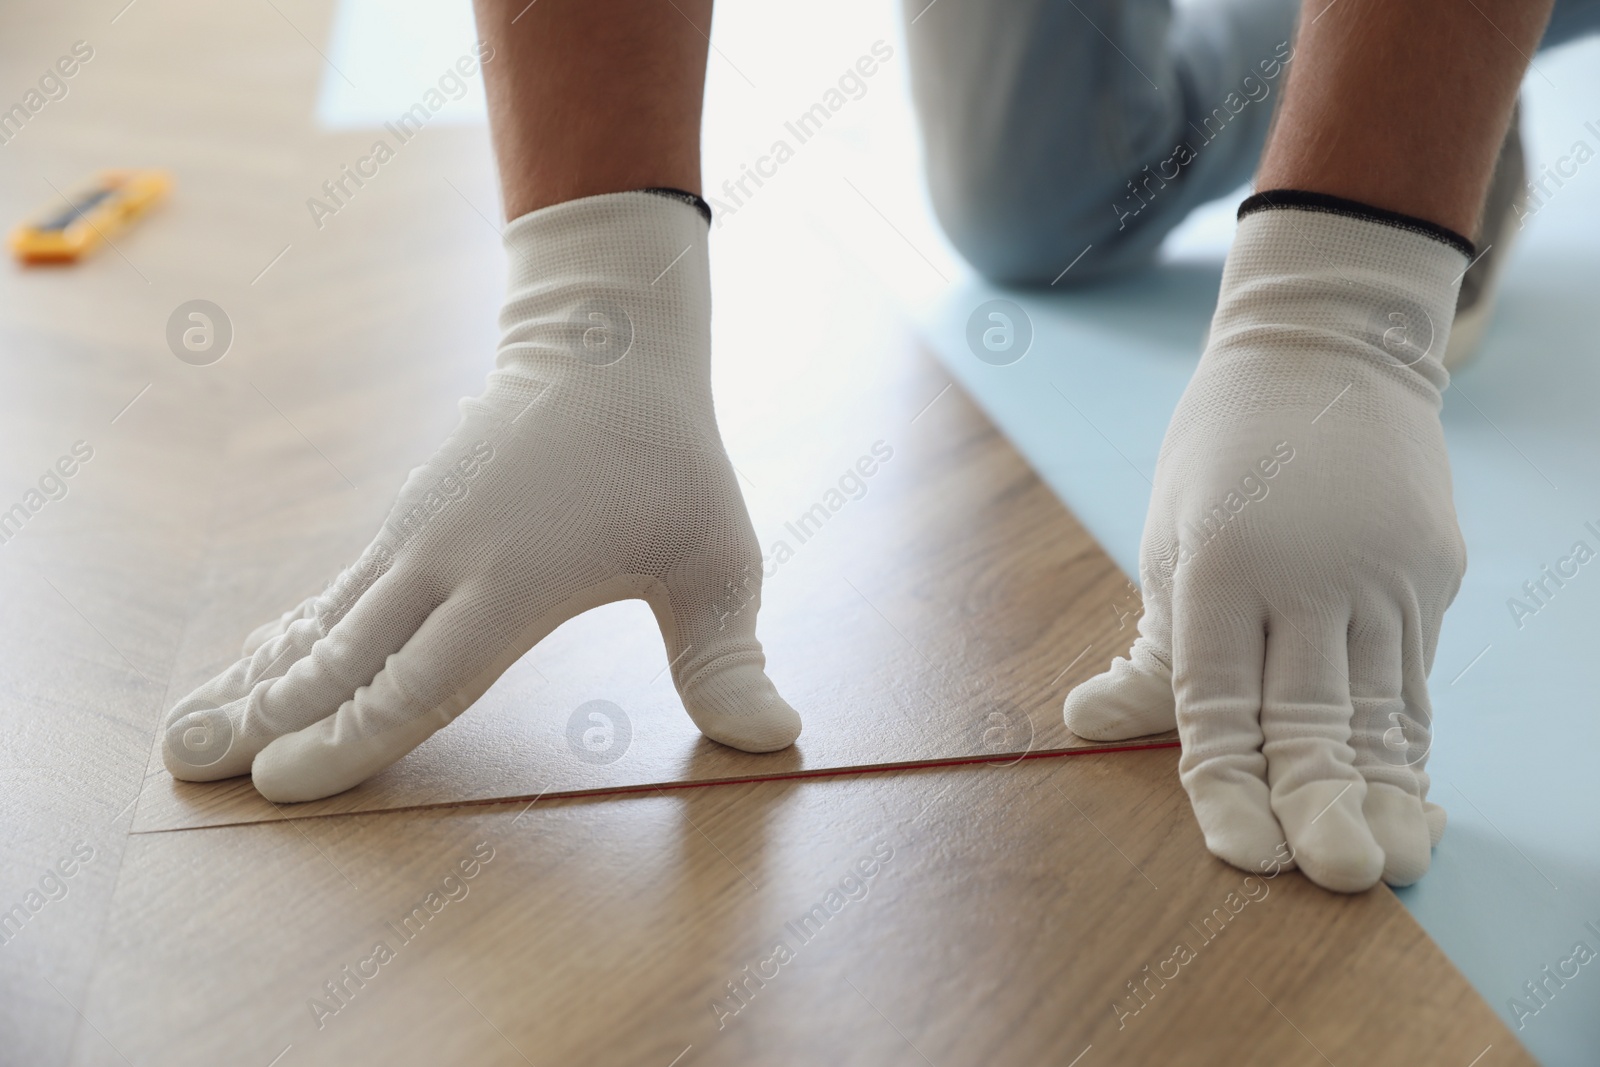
<point>1018,235</point>
<point>1032,130</point>
<point>1020,229</point>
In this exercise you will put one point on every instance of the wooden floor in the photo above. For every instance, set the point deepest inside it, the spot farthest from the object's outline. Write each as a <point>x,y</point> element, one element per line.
<point>994,911</point>
<point>938,602</point>
<point>1000,918</point>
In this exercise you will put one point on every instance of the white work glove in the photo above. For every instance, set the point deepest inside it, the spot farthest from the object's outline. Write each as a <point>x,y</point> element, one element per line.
<point>1301,549</point>
<point>589,471</point>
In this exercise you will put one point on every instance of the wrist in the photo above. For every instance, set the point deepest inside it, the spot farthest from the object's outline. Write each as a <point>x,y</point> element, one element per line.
<point>1320,277</point>
<point>618,282</point>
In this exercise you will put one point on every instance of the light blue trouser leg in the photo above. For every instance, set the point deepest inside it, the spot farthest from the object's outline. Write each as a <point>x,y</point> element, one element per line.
<point>1051,126</point>
<point>1570,20</point>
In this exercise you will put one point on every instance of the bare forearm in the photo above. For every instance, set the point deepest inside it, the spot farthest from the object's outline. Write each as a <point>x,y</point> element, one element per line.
<point>1402,105</point>
<point>598,96</point>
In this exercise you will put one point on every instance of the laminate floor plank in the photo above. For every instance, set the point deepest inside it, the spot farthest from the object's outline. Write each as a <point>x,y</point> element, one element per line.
<point>989,914</point>
<point>941,614</point>
<point>938,609</point>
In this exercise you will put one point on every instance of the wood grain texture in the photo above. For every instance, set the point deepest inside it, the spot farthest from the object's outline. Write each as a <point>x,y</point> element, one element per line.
<point>951,589</point>
<point>1013,908</point>
<point>1019,900</point>
<point>96,588</point>
<point>219,495</point>
<point>923,623</point>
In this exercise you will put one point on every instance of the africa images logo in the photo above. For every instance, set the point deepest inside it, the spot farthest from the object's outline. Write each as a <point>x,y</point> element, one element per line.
<point>599,732</point>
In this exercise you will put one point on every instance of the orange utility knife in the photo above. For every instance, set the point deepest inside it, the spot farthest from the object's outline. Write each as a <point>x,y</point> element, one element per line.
<point>110,201</point>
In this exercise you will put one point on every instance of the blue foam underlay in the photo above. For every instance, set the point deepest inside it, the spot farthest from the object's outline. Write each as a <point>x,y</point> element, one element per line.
<point>1516,759</point>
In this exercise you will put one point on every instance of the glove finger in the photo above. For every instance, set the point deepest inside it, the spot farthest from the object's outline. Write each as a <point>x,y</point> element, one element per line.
<point>206,739</point>
<point>1390,734</point>
<point>1133,698</point>
<point>330,604</point>
<point>1218,650</point>
<point>708,621</point>
<point>1317,793</point>
<point>279,626</point>
<point>1436,821</point>
<point>442,669</point>
<point>291,681</point>
<point>1400,827</point>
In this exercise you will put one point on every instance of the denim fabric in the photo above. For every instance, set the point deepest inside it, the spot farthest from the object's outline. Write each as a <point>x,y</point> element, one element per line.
<point>1050,126</point>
